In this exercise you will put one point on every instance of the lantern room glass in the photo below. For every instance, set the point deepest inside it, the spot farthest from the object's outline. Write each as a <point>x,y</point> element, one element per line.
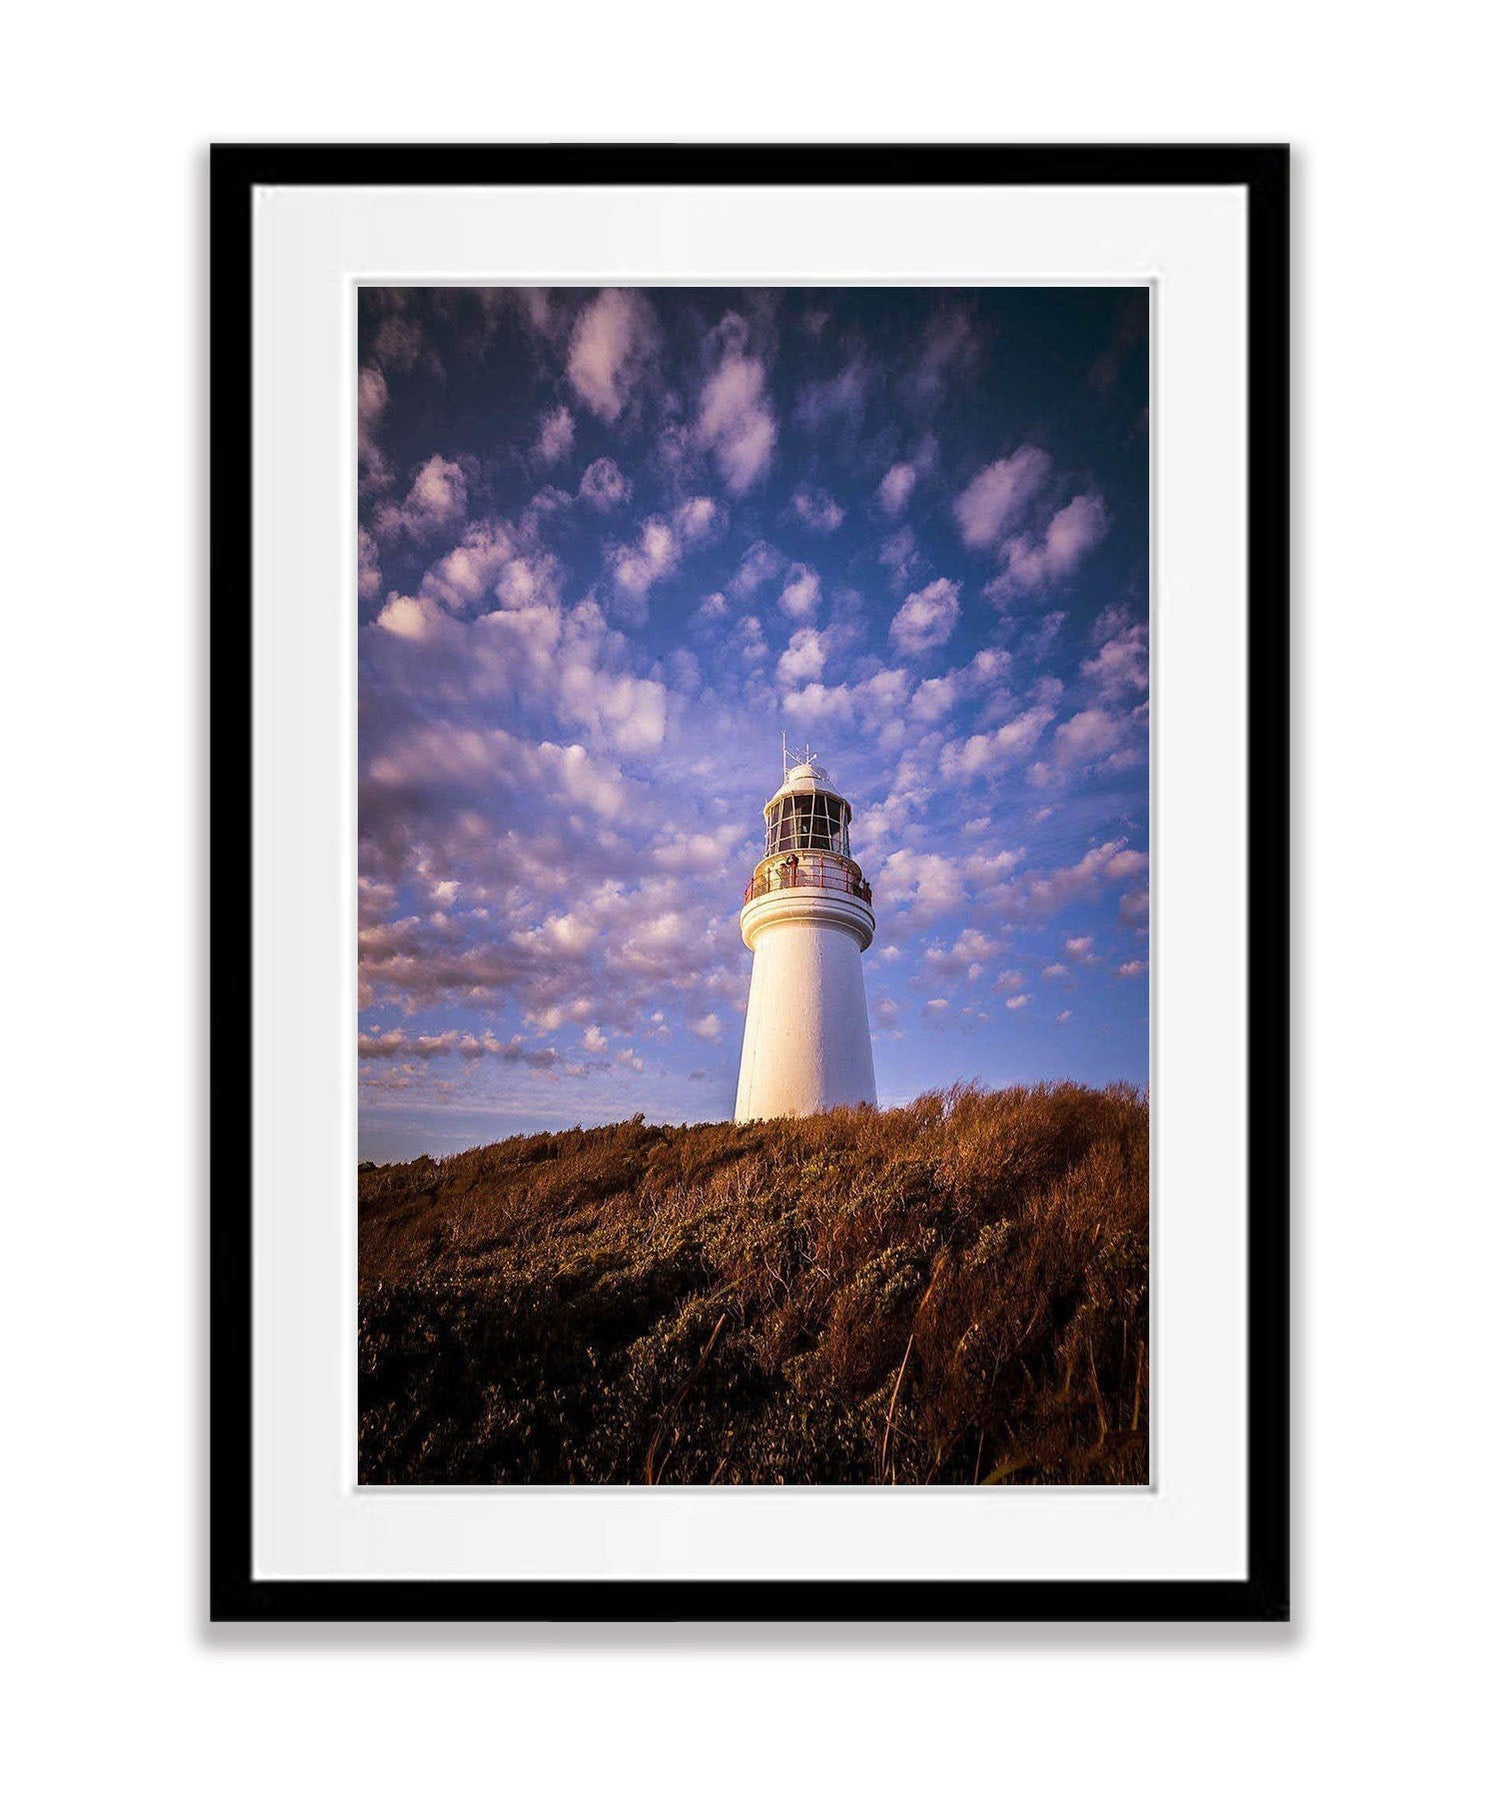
<point>808,821</point>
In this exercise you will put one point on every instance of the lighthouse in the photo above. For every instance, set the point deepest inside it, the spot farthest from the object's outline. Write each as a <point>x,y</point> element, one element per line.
<point>808,916</point>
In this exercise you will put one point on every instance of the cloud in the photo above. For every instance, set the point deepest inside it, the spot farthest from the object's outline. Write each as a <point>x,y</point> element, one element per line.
<point>603,486</point>
<point>926,619</point>
<point>999,495</point>
<point>1128,971</point>
<point>1121,668</point>
<point>1040,895</point>
<point>899,554</point>
<point>965,758</point>
<point>405,617</point>
<point>1031,563</point>
<point>489,563</point>
<point>748,639</point>
<point>555,437</point>
<point>374,396</point>
<point>803,660</point>
<point>929,882</point>
<point>873,704</point>
<point>759,564</point>
<point>817,704</point>
<point>966,956</point>
<point>1088,737</point>
<point>817,510</point>
<point>637,567</point>
<point>707,1027</point>
<point>840,396</point>
<point>801,593</point>
<point>735,421</point>
<point>400,341</point>
<point>1134,908</point>
<point>435,502</point>
<point>698,518</point>
<point>896,487</point>
<point>713,610</point>
<point>1017,1000</point>
<point>949,346</point>
<point>611,346</point>
<point>369,565</point>
<point>378,1045</point>
<point>936,696</point>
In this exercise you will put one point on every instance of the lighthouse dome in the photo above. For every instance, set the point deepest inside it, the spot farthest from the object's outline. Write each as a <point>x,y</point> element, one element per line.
<point>806,777</point>
<point>807,812</point>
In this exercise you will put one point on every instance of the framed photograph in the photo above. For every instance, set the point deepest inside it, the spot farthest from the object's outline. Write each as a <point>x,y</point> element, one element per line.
<point>750,883</point>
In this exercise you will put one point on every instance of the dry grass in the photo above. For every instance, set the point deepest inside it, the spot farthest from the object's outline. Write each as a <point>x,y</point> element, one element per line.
<point>956,1292</point>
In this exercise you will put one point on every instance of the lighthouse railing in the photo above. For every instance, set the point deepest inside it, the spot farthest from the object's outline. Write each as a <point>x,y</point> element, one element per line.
<point>834,877</point>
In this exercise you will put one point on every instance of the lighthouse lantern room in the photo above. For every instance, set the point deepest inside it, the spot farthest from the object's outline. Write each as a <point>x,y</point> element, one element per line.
<point>808,916</point>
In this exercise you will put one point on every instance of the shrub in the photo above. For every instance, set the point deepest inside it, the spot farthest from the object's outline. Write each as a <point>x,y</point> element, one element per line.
<point>954,1291</point>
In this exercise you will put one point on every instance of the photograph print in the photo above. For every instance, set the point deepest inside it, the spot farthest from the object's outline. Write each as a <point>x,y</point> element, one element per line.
<point>754,886</point>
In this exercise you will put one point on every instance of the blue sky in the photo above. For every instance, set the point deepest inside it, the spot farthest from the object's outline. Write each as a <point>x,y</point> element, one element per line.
<point>611,545</point>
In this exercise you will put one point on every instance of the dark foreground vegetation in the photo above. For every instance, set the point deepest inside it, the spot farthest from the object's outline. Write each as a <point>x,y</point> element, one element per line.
<point>956,1291</point>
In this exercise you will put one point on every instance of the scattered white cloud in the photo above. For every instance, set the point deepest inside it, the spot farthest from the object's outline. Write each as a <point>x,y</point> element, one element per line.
<point>760,563</point>
<point>735,421</point>
<point>555,438</point>
<point>817,510</point>
<point>713,610</point>
<point>1089,736</point>
<point>697,519</point>
<point>435,502</point>
<point>1121,668</point>
<point>899,554</point>
<point>637,567</point>
<point>603,486</point>
<point>611,345</point>
<point>839,398</point>
<point>998,496</point>
<point>896,487</point>
<point>926,619</point>
<point>803,659</point>
<point>801,593</point>
<point>965,759</point>
<point>747,639</point>
<point>369,565</point>
<point>374,470</point>
<point>1134,908</point>
<point>1031,562</point>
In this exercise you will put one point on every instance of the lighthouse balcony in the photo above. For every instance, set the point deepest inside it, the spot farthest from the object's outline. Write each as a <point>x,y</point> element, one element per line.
<point>810,889</point>
<point>810,871</point>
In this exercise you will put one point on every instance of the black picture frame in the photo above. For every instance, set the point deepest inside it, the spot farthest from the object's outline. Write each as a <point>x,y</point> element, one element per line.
<point>1262,171</point>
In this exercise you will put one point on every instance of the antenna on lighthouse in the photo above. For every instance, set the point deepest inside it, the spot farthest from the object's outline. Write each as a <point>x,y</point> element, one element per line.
<point>785,758</point>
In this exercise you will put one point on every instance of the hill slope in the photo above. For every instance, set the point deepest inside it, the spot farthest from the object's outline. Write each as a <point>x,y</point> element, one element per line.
<point>955,1291</point>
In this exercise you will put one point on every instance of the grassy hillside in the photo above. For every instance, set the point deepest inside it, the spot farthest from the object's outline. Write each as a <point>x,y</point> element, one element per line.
<point>956,1291</point>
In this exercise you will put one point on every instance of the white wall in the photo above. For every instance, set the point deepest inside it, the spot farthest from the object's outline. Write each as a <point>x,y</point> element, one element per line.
<point>1377,1687</point>
<point>806,1043</point>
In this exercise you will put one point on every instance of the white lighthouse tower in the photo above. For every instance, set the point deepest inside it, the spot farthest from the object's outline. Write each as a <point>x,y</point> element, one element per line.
<point>808,916</point>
